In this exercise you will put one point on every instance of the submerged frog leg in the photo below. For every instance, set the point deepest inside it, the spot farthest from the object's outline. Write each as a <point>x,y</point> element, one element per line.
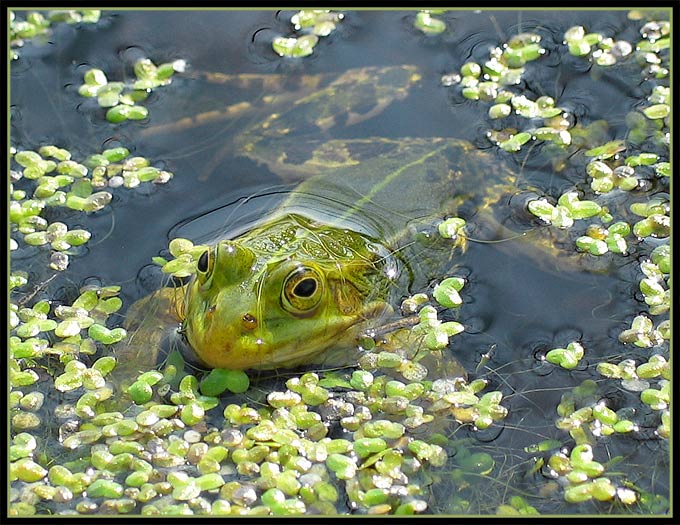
<point>550,247</point>
<point>148,322</point>
<point>356,118</point>
<point>230,112</point>
<point>287,103</point>
<point>226,113</point>
<point>295,89</point>
<point>268,81</point>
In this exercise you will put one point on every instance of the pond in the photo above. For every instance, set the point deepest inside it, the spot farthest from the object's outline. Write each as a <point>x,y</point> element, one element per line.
<point>526,372</point>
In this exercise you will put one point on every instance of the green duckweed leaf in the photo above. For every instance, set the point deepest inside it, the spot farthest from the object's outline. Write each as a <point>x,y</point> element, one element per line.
<point>428,24</point>
<point>607,150</point>
<point>657,111</point>
<point>295,47</point>
<point>221,379</point>
<point>446,292</point>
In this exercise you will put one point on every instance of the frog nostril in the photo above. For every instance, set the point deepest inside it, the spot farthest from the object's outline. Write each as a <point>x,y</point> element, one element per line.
<point>249,322</point>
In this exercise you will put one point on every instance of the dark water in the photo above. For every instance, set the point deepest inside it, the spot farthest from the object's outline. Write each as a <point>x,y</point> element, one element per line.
<point>47,109</point>
<point>515,304</point>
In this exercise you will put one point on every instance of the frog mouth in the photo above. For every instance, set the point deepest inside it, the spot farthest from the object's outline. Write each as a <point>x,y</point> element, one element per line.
<point>238,349</point>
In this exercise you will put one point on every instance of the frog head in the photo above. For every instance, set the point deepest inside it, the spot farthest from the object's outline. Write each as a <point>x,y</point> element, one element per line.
<point>279,297</point>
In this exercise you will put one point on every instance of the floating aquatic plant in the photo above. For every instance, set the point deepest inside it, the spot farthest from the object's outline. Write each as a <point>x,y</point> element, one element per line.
<point>427,21</point>
<point>312,23</point>
<point>56,180</point>
<point>37,25</point>
<point>656,222</point>
<point>296,47</point>
<point>599,240</point>
<point>195,454</point>
<point>446,293</point>
<point>488,82</point>
<point>604,51</point>
<point>516,506</point>
<point>122,98</point>
<point>186,256</point>
<point>585,415</point>
<point>643,334</point>
<point>569,208</point>
<point>568,357</point>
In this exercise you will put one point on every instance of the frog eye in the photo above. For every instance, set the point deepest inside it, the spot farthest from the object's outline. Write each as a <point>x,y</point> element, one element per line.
<point>302,291</point>
<point>205,263</point>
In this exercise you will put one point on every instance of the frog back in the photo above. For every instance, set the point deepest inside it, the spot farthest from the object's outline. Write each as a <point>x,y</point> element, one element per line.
<point>380,186</point>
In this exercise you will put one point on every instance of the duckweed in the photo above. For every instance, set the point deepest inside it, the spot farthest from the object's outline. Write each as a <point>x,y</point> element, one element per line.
<point>63,183</point>
<point>36,26</point>
<point>568,357</point>
<point>642,333</point>
<point>284,458</point>
<point>27,470</point>
<point>603,51</point>
<point>452,227</point>
<point>429,24</point>
<point>218,380</point>
<point>599,240</point>
<point>498,111</point>
<point>569,208</point>
<point>342,466</point>
<point>122,97</point>
<point>314,23</point>
<point>186,256</point>
<point>295,46</point>
<point>580,469</point>
<point>447,294</point>
<point>516,506</point>
<point>322,22</point>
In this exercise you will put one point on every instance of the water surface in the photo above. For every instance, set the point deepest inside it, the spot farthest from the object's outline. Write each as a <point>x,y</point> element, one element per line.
<point>517,305</point>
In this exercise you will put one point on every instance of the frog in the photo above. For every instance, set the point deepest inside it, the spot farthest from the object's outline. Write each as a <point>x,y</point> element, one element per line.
<point>336,257</point>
